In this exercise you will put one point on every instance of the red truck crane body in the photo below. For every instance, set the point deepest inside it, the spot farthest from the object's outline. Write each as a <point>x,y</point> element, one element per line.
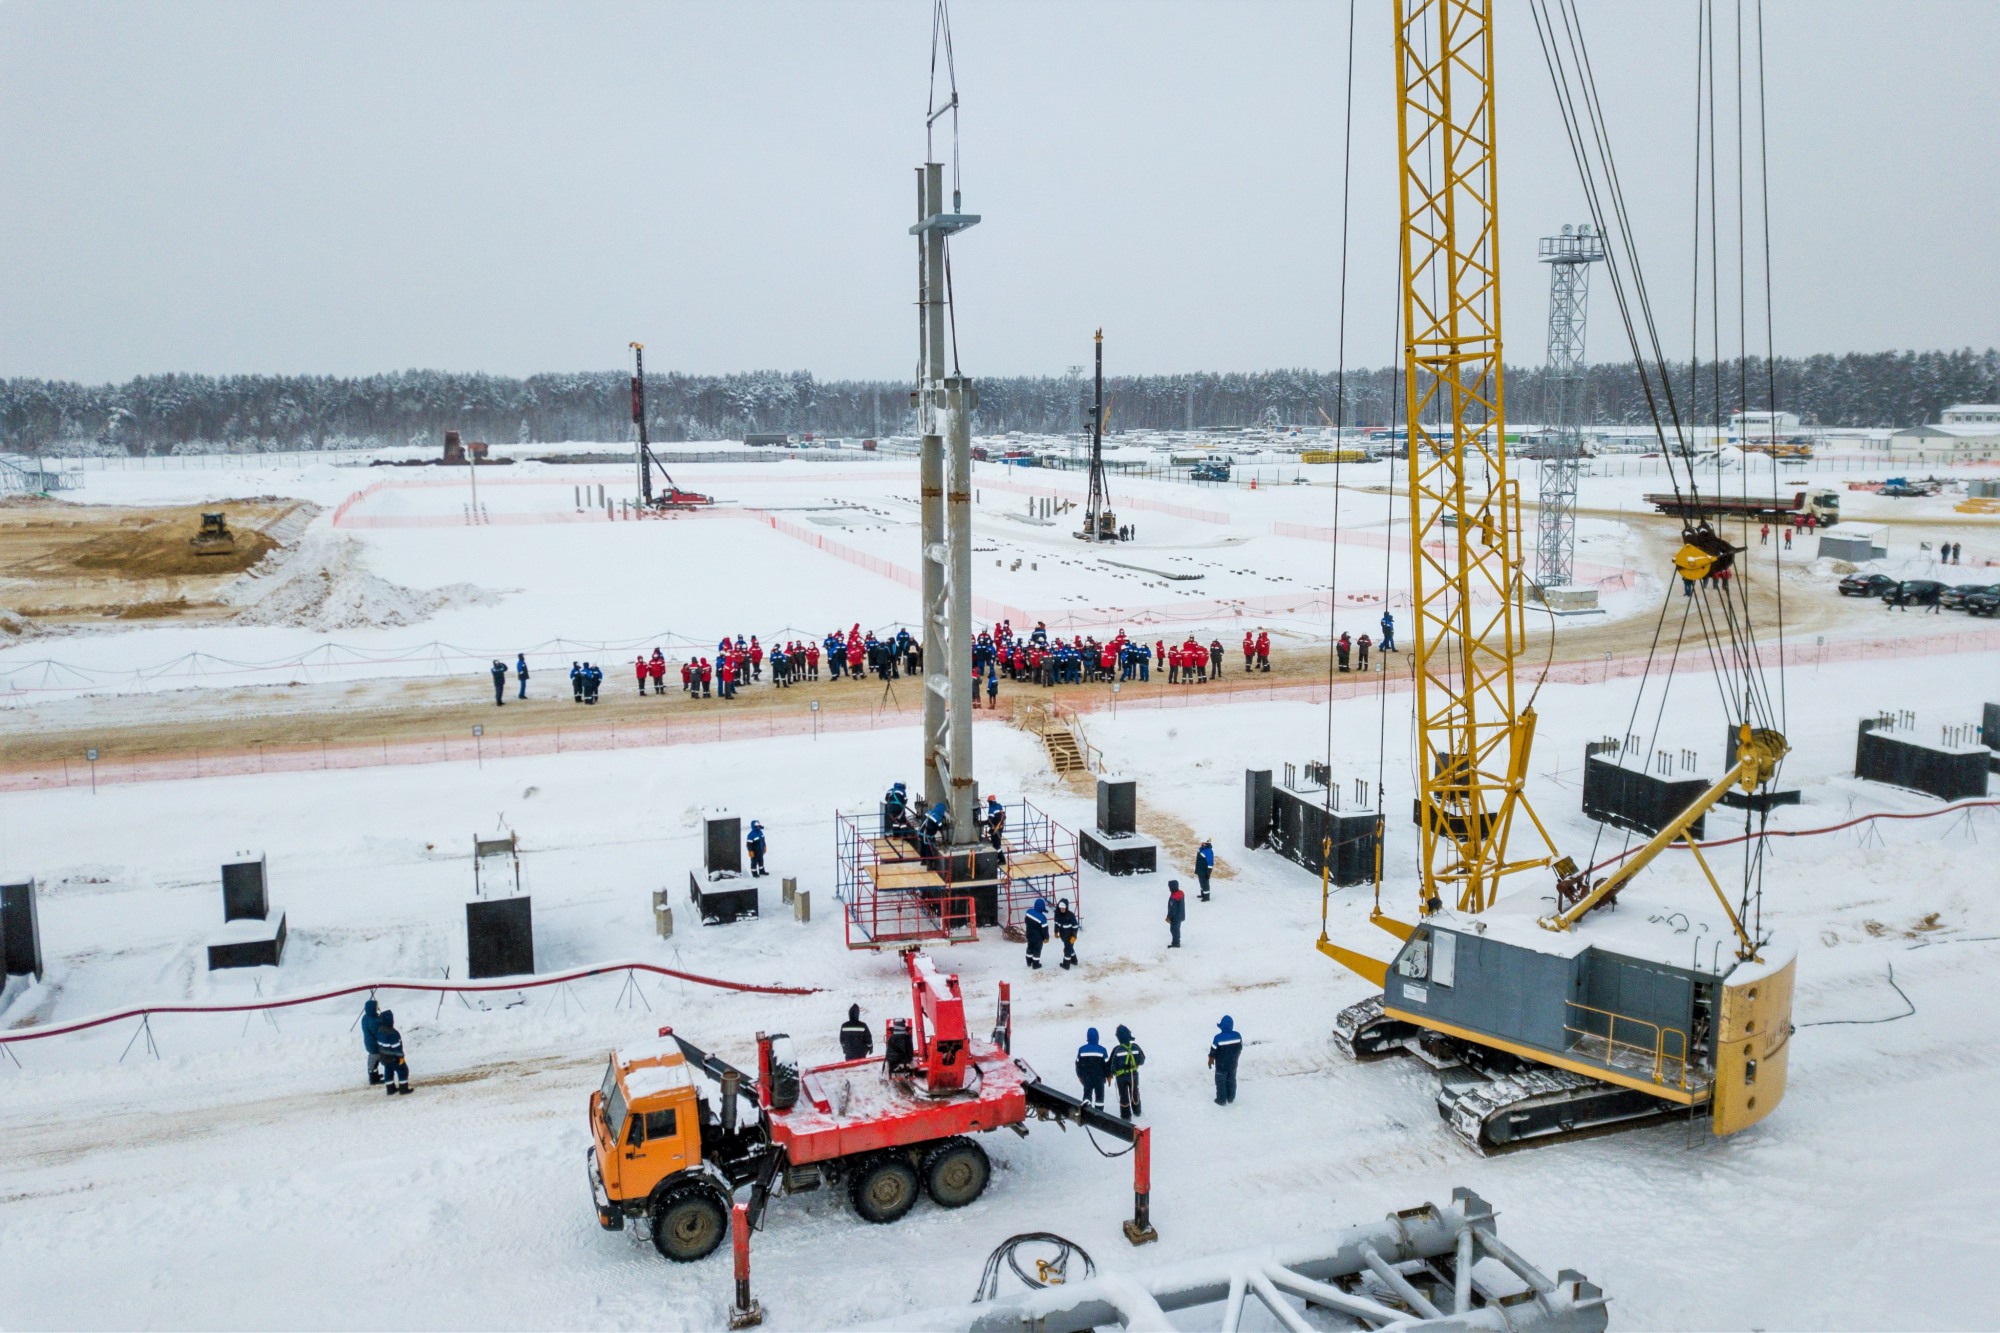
<point>838,1115</point>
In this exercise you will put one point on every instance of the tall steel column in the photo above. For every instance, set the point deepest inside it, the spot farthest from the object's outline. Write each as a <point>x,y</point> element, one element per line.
<point>945,400</point>
<point>1569,257</point>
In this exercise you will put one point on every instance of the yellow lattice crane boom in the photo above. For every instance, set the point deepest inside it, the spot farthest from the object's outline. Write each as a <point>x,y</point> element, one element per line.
<point>1464,509</point>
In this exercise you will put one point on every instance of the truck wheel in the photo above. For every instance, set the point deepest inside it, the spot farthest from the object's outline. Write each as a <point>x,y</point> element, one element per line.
<point>883,1189</point>
<point>688,1225</point>
<point>956,1172</point>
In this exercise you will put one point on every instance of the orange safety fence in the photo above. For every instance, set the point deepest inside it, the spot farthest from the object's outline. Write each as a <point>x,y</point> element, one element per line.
<point>1231,687</point>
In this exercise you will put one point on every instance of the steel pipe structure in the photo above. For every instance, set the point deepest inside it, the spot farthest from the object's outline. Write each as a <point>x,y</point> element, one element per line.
<point>1423,1268</point>
<point>945,400</point>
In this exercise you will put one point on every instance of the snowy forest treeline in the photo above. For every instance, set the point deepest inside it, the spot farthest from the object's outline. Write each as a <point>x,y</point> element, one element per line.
<point>168,413</point>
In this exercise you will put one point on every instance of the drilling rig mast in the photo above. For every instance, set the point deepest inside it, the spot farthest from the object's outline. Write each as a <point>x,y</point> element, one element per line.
<point>1099,523</point>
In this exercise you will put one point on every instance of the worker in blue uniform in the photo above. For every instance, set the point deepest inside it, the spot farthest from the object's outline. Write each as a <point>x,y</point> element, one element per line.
<point>1223,1053</point>
<point>1036,924</point>
<point>1093,1062</point>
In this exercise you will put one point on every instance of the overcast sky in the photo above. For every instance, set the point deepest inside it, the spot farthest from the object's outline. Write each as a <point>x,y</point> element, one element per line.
<point>518,187</point>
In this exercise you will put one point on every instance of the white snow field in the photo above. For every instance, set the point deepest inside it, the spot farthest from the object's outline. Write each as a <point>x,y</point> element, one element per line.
<point>791,549</point>
<point>246,1177</point>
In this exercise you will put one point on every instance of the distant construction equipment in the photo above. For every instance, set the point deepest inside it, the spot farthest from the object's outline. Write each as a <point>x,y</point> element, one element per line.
<point>1569,257</point>
<point>215,538</point>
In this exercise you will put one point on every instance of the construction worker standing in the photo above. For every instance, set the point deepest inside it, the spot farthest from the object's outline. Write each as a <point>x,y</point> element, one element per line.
<point>1176,911</point>
<point>1066,928</point>
<point>499,683</point>
<point>389,1042</point>
<point>755,842</point>
<point>1223,1052</point>
<point>371,1023</point>
<point>1092,1062</point>
<point>1126,1057</point>
<point>996,820</point>
<point>521,672</point>
<point>856,1041</point>
<point>1388,633</point>
<point>1204,865</point>
<point>1036,924</point>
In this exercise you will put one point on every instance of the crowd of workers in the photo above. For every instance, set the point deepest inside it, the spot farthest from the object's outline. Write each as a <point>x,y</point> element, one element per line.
<point>1037,657</point>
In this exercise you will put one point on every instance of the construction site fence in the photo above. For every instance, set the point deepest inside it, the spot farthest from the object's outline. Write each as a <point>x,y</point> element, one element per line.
<point>1392,671</point>
<point>143,1036</point>
<point>1256,476</point>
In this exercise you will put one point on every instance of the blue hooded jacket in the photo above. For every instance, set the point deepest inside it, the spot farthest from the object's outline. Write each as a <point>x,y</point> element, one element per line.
<point>370,1025</point>
<point>1227,1046</point>
<point>1092,1060</point>
<point>387,1038</point>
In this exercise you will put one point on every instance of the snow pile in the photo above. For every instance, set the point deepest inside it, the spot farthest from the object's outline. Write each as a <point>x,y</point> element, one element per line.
<point>15,627</point>
<point>323,584</point>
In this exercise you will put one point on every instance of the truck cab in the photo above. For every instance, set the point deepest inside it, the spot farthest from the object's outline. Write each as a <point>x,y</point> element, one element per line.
<point>645,1125</point>
<point>1824,505</point>
<point>654,1149</point>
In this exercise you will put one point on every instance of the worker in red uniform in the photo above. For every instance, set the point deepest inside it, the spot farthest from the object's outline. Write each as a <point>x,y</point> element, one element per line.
<point>656,667</point>
<point>756,659</point>
<point>639,666</point>
<point>812,661</point>
<point>855,654</point>
<point>687,678</point>
<point>1249,650</point>
<point>1263,651</point>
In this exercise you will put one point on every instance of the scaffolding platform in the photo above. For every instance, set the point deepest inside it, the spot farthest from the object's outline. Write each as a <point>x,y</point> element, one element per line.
<point>893,892</point>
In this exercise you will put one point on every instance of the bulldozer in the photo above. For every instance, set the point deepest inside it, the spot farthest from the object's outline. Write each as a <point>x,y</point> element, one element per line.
<point>215,538</point>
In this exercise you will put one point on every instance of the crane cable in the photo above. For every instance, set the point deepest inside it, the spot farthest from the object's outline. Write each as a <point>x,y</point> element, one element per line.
<point>1339,401</point>
<point>941,37</point>
<point>1575,86</point>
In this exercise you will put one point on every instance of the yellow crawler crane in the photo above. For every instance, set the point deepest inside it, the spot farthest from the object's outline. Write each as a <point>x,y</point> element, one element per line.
<point>1540,1023</point>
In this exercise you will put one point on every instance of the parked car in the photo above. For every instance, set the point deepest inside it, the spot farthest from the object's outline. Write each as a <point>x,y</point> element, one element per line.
<point>1913,592</point>
<point>1866,585</point>
<point>1953,599</point>
<point>1983,603</point>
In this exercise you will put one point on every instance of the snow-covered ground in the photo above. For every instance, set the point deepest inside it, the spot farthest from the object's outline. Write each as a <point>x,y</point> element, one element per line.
<point>247,1178</point>
<point>792,549</point>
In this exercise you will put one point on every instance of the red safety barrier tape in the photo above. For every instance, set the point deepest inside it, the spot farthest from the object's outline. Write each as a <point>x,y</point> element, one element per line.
<point>1811,832</point>
<point>447,987</point>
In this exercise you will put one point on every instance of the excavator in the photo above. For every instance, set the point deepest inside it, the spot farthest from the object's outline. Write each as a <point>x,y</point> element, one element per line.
<point>1543,1011</point>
